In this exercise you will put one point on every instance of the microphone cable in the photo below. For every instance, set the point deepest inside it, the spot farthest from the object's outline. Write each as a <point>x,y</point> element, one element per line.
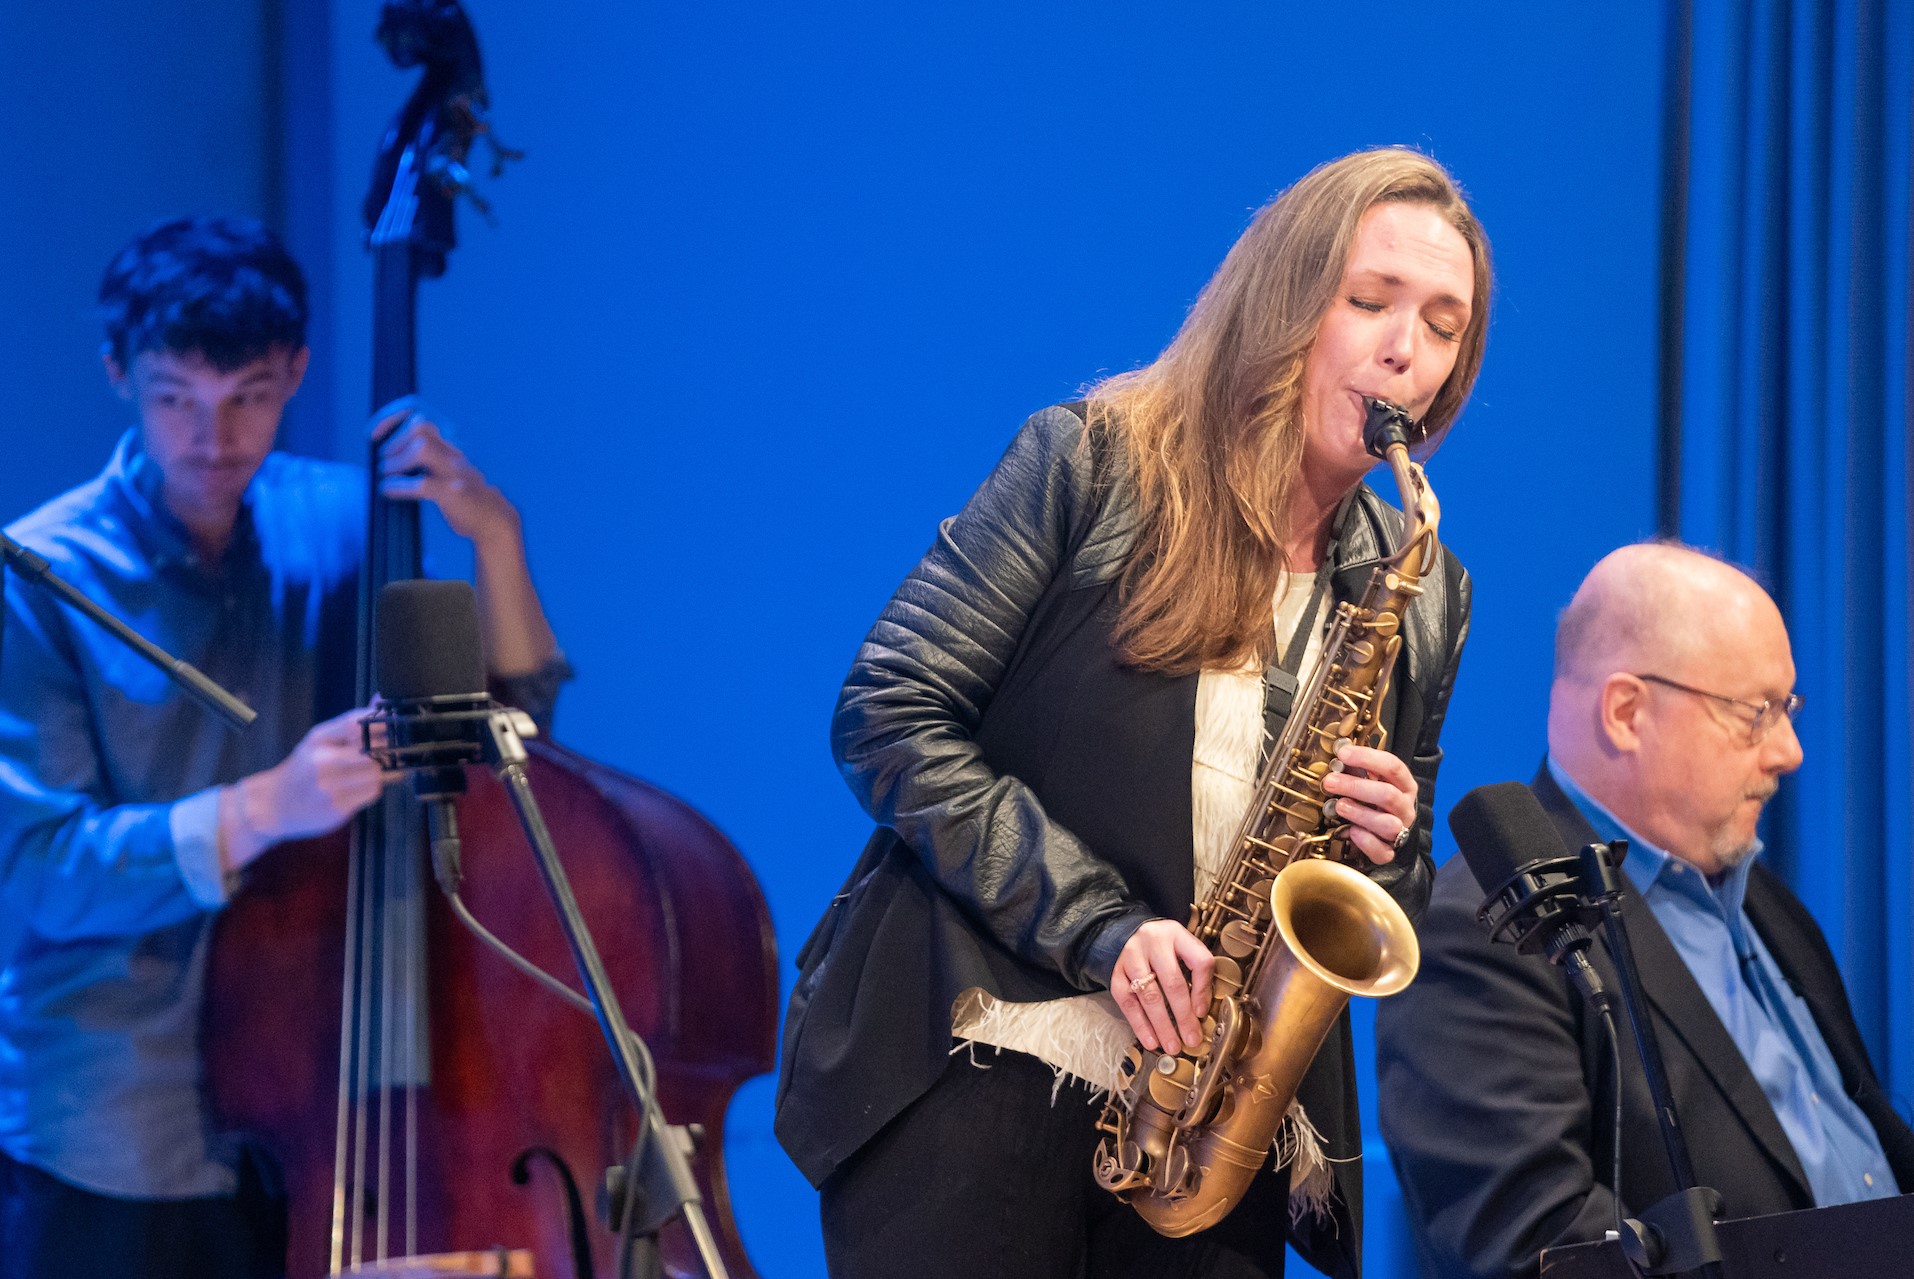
<point>516,960</point>
<point>1614,1036</point>
<point>648,1071</point>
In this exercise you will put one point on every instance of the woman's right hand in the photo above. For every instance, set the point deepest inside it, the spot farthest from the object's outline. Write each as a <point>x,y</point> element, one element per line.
<point>1149,985</point>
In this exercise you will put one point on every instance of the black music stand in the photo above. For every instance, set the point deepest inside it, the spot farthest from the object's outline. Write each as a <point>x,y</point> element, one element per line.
<point>1873,1239</point>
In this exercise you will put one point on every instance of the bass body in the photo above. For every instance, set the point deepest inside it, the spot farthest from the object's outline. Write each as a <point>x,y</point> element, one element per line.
<point>519,1082</point>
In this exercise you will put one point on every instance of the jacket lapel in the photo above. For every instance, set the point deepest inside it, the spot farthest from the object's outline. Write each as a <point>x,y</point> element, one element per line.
<point>1684,1010</point>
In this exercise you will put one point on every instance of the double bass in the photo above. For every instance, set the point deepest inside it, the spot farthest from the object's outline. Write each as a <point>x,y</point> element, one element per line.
<point>422,1103</point>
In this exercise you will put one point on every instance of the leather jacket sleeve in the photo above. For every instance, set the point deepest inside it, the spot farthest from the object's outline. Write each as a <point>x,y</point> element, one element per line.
<point>1411,889</point>
<point>904,734</point>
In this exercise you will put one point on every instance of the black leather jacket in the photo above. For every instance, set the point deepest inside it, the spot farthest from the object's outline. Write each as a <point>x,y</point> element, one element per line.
<point>1032,794</point>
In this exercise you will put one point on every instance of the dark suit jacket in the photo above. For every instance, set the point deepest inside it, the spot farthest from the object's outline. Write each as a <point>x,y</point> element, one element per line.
<point>1497,1092</point>
<point>1033,796</point>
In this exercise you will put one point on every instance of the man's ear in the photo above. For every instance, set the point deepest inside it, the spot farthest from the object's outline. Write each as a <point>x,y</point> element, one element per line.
<point>116,377</point>
<point>296,369</point>
<point>1623,702</point>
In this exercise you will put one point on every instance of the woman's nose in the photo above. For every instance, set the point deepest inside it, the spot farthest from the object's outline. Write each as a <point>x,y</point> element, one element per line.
<point>1397,345</point>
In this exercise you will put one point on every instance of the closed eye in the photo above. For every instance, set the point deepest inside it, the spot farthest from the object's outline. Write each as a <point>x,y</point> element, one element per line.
<point>1446,334</point>
<point>1363,305</point>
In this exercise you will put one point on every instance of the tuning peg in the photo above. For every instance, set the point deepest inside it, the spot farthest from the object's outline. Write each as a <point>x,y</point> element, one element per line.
<point>454,179</point>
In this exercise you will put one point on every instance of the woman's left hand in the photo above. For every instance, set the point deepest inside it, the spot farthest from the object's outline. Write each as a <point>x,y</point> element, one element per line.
<point>1376,794</point>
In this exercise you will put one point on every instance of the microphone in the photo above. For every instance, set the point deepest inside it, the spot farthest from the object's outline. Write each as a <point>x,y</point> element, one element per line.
<point>429,670</point>
<point>1542,898</point>
<point>1535,899</point>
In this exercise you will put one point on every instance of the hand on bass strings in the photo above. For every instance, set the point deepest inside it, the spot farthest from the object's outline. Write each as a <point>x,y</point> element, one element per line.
<point>418,464</point>
<point>1163,1005</point>
<point>313,791</point>
<point>1376,795</point>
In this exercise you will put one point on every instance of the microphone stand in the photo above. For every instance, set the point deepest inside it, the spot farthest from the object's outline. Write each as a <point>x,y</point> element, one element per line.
<point>664,1185</point>
<point>33,569</point>
<point>1677,1235</point>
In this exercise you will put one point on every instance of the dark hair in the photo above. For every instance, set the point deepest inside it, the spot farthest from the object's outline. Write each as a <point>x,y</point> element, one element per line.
<point>220,287</point>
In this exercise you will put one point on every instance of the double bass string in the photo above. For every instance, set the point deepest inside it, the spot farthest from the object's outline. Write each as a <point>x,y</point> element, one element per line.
<point>382,1165</point>
<point>355,1038</point>
<point>414,1027</point>
<point>383,1047</point>
<point>401,1024</point>
<point>347,986</point>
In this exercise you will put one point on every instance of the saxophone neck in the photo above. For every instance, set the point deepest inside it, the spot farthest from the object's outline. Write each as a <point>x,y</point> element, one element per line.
<point>1386,432</point>
<point>1422,514</point>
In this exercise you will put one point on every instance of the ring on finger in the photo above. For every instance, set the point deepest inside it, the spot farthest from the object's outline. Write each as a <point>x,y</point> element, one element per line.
<point>1139,984</point>
<point>1402,837</point>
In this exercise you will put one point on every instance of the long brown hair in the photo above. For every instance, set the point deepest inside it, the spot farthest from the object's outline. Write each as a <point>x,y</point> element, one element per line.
<point>1212,430</point>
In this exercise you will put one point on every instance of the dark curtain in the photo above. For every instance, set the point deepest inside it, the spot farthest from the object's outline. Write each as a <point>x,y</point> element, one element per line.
<point>1788,430</point>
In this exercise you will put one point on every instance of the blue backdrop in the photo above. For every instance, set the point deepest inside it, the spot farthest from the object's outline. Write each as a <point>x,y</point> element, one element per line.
<point>776,283</point>
<point>1794,423</point>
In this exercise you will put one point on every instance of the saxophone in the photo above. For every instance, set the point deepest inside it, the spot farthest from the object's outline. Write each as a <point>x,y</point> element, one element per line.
<point>1294,927</point>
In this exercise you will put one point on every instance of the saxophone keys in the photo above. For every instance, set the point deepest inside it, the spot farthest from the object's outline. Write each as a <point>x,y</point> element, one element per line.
<point>1119,1166</point>
<point>1238,939</point>
<point>1177,1177</point>
<point>1170,1081</point>
<point>1226,978</point>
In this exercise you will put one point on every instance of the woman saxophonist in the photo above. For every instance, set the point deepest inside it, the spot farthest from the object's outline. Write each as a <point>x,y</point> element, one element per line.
<point>1057,723</point>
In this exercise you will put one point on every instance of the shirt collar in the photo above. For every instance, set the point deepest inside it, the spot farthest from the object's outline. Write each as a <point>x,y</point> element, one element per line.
<point>1649,867</point>
<point>137,481</point>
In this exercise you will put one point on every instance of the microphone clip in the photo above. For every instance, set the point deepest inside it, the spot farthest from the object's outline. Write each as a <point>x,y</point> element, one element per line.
<point>418,734</point>
<point>1551,898</point>
<point>433,739</point>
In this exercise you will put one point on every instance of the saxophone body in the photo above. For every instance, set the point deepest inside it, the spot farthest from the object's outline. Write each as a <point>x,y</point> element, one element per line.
<point>1295,928</point>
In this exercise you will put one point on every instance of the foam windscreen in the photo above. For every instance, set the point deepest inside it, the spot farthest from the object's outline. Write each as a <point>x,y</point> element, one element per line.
<point>426,641</point>
<point>1502,828</point>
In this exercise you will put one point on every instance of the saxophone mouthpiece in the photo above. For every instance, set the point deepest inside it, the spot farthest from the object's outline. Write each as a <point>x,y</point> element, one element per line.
<point>1386,424</point>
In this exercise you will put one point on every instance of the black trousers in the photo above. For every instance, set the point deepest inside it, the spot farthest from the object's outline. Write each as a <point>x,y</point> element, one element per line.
<point>52,1230</point>
<point>983,1177</point>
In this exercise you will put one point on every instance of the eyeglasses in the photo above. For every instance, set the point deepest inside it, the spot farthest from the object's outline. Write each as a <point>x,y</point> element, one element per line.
<point>1766,714</point>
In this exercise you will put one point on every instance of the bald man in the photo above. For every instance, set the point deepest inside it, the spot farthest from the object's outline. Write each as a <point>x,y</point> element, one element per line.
<point>1670,725</point>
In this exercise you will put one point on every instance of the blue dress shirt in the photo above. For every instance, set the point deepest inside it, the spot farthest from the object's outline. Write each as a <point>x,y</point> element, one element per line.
<point>1771,1024</point>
